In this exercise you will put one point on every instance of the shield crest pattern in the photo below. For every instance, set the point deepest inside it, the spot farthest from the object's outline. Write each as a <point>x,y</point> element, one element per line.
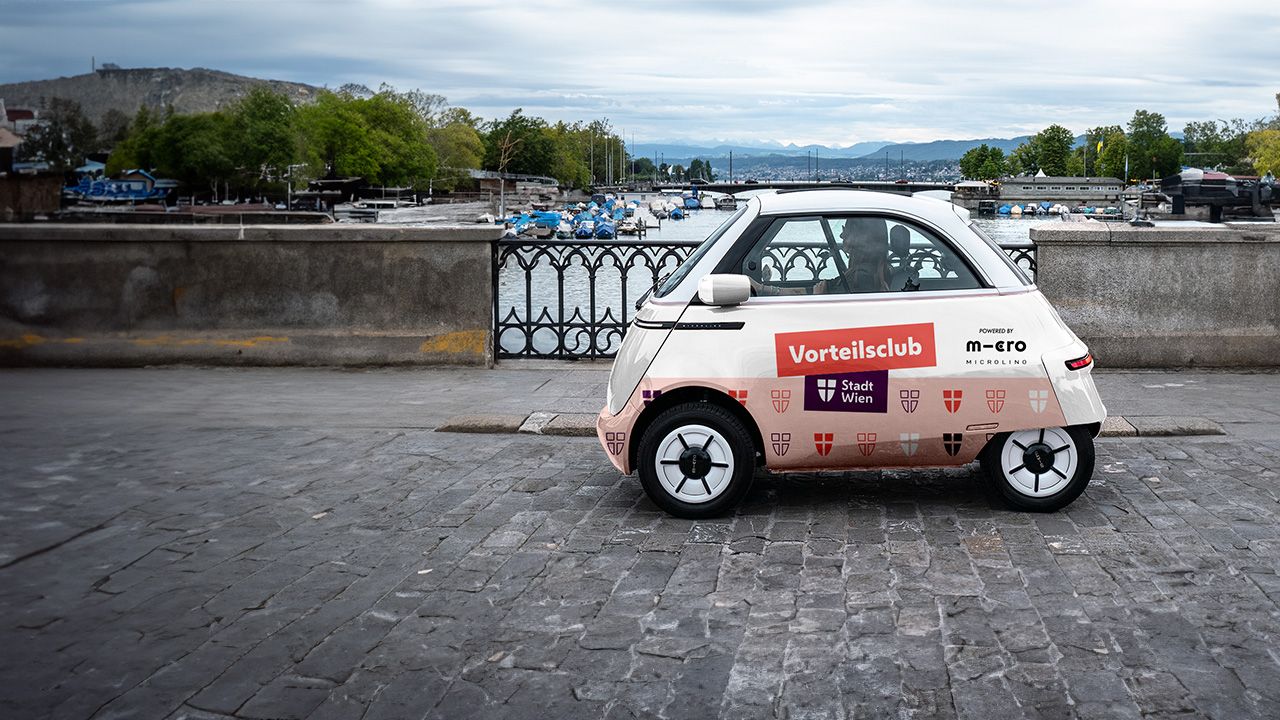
<point>951,442</point>
<point>615,441</point>
<point>781,400</point>
<point>995,400</point>
<point>952,398</point>
<point>826,388</point>
<point>649,396</point>
<point>740,396</point>
<point>910,443</point>
<point>781,442</point>
<point>822,442</point>
<point>910,399</point>
<point>866,443</point>
<point>1039,400</point>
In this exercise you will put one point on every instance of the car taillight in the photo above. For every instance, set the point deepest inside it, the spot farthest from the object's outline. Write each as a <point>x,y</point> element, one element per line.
<point>1080,363</point>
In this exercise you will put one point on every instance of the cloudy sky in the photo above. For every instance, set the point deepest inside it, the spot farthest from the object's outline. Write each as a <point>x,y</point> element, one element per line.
<point>747,71</point>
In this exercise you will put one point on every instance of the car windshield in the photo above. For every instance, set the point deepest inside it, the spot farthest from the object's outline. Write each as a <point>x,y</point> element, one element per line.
<point>674,279</point>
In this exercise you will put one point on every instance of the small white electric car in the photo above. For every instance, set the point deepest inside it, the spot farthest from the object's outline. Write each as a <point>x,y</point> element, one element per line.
<point>839,329</point>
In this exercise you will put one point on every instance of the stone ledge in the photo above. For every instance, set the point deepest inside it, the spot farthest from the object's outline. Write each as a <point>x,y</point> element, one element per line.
<point>482,424</point>
<point>152,233</point>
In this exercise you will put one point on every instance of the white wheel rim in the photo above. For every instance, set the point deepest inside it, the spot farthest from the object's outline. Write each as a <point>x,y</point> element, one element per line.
<point>1056,470</point>
<point>694,487</point>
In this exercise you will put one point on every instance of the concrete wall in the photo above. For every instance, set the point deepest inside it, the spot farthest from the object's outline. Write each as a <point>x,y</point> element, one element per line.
<point>1171,296</point>
<point>321,295</point>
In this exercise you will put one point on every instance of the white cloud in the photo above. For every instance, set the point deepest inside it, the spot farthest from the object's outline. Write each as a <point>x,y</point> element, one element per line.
<point>815,72</point>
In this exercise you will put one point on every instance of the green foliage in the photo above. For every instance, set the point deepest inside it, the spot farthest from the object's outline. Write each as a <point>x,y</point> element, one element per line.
<point>1264,150</point>
<point>458,148</point>
<point>1048,150</point>
<point>1022,161</point>
<point>62,138</point>
<point>382,138</point>
<point>1152,152</point>
<point>262,136</point>
<point>113,128</point>
<point>984,163</point>
<point>1087,160</point>
<point>700,170</point>
<point>1219,144</point>
<point>519,144</point>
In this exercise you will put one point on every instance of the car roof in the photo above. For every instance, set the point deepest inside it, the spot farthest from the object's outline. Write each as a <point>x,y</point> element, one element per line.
<point>840,200</point>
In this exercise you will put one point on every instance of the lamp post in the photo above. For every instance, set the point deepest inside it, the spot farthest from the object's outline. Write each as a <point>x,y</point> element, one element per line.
<point>288,201</point>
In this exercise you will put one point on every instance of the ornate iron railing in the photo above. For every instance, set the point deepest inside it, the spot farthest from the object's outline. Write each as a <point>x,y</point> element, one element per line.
<point>573,299</point>
<point>1023,255</point>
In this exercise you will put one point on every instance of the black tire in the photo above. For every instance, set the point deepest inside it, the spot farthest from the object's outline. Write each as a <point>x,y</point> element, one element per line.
<point>711,416</point>
<point>1075,485</point>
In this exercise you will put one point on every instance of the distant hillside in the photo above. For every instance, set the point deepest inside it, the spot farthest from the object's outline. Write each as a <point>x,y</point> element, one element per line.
<point>678,153</point>
<point>188,91</point>
<point>942,149</point>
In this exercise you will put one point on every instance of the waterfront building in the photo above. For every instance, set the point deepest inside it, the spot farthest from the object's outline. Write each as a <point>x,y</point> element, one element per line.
<point>1065,190</point>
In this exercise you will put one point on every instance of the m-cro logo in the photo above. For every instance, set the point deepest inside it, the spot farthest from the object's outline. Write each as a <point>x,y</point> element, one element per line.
<point>975,346</point>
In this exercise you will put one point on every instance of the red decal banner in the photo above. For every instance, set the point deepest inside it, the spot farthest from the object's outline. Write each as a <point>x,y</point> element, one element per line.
<point>885,347</point>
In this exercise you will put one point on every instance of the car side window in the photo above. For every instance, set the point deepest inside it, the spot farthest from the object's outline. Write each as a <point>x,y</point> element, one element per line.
<point>832,255</point>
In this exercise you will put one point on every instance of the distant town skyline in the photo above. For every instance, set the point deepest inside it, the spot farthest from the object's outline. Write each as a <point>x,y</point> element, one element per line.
<point>749,72</point>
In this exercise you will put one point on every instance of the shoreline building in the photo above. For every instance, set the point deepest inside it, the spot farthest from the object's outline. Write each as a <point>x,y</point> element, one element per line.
<point>984,197</point>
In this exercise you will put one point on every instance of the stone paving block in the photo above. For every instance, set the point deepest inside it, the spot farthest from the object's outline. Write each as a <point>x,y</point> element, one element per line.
<point>571,424</point>
<point>1173,425</point>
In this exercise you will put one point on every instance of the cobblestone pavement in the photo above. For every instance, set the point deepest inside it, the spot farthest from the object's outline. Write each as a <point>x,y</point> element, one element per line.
<point>287,544</point>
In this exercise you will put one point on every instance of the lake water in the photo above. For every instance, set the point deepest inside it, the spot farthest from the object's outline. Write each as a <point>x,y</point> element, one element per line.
<point>543,288</point>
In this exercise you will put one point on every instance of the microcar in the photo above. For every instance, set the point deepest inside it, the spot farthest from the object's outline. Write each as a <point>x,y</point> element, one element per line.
<point>841,330</point>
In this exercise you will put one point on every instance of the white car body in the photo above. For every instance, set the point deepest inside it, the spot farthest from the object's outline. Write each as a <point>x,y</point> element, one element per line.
<point>846,381</point>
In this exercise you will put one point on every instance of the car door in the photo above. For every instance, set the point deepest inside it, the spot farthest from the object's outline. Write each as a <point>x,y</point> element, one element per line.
<point>852,350</point>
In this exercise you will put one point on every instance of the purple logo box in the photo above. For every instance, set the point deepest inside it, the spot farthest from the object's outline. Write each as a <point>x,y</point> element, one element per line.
<point>848,392</point>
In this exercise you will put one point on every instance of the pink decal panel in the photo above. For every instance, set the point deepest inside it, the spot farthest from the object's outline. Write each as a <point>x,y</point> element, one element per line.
<point>922,422</point>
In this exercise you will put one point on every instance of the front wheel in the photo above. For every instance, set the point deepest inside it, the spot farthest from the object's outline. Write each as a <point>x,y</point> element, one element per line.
<point>696,460</point>
<point>1040,470</point>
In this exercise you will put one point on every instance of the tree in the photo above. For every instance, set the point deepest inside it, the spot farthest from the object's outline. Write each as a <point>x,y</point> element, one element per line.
<point>62,137</point>
<point>381,138</point>
<point>531,149</point>
<point>1152,152</point>
<point>983,163</point>
<point>136,150</point>
<point>458,148</point>
<point>1051,147</point>
<point>113,128</point>
<point>1022,161</point>
<point>195,149</point>
<point>263,142</point>
<point>1264,151</point>
<point>1219,144</point>
<point>335,138</point>
<point>1086,160</point>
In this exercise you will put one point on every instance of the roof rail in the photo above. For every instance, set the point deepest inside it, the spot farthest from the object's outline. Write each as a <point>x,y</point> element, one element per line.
<point>784,191</point>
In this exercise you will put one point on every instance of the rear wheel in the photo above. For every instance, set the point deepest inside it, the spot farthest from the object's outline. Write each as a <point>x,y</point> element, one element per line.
<point>1040,470</point>
<point>696,460</point>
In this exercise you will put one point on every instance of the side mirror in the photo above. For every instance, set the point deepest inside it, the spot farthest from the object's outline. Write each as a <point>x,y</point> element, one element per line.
<point>724,289</point>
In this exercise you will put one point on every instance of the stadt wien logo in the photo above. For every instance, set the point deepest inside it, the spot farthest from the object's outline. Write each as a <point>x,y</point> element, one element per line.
<point>995,400</point>
<point>781,400</point>
<point>952,398</point>
<point>951,442</point>
<point>910,443</point>
<point>781,442</point>
<point>1039,400</point>
<point>615,441</point>
<point>910,399</point>
<point>822,442</point>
